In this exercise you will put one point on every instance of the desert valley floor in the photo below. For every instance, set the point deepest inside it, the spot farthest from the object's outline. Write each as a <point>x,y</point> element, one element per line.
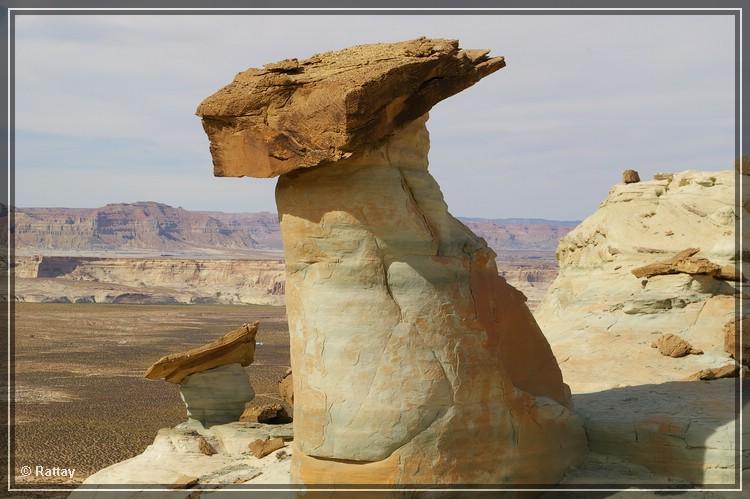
<point>79,375</point>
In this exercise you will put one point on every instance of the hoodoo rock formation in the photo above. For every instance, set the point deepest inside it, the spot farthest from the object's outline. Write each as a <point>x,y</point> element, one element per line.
<point>414,362</point>
<point>213,383</point>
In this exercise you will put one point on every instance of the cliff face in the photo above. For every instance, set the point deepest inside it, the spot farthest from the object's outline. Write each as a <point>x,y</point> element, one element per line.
<point>149,280</point>
<point>603,311</point>
<point>519,234</point>
<point>159,227</point>
<point>145,225</point>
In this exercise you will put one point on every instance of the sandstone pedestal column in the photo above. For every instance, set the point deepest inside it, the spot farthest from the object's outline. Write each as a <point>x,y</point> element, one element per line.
<point>414,362</point>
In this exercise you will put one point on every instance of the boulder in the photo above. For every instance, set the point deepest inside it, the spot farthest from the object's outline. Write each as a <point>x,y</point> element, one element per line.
<point>671,345</point>
<point>630,177</point>
<point>268,413</point>
<point>218,395</point>
<point>205,447</point>
<point>261,448</point>
<point>732,330</point>
<point>727,371</point>
<point>237,346</point>
<point>414,362</point>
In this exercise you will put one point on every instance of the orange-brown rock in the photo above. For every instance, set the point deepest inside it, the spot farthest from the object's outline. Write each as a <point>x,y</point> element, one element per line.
<point>727,371</point>
<point>264,413</point>
<point>685,263</point>
<point>732,330</point>
<point>286,388</point>
<point>299,114</point>
<point>414,362</point>
<point>261,448</point>
<point>630,177</point>
<point>235,347</point>
<point>205,447</point>
<point>671,345</point>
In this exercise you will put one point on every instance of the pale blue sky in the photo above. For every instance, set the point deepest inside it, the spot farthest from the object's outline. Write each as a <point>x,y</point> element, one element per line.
<point>104,105</point>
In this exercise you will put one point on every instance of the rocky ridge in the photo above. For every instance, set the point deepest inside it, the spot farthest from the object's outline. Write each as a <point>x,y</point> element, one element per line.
<point>148,280</point>
<point>140,226</point>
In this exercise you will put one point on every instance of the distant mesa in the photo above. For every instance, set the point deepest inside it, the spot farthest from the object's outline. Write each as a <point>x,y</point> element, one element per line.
<point>160,228</point>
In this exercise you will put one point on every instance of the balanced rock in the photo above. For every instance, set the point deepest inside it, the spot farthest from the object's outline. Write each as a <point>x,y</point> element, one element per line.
<point>671,345</point>
<point>630,177</point>
<point>218,395</point>
<point>237,346</point>
<point>414,362</point>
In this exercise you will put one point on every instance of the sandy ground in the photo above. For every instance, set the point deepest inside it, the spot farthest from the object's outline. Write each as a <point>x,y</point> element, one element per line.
<point>81,399</point>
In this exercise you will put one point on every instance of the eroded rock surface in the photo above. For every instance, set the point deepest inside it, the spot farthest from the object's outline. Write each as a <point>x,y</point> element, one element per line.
<point>218,395</point>
<point>235,347</point>
<point>652,260</point>
<point>298,114</point>
<point>413,361</point>
<point>650,266</point>
<point>683,430</point>
<point>178,458</point>
<point>685,263</point>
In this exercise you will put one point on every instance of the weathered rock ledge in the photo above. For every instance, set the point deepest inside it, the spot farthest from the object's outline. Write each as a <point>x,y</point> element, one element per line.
<point>299,114</point>
<point>237,346</point>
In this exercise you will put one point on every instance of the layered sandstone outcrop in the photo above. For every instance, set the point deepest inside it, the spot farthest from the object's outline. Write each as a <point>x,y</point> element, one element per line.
<point>70,279</point>
<point>191,454</point>
<point>658,257</point>
<point>414,362</point>
<point>655,265</point>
